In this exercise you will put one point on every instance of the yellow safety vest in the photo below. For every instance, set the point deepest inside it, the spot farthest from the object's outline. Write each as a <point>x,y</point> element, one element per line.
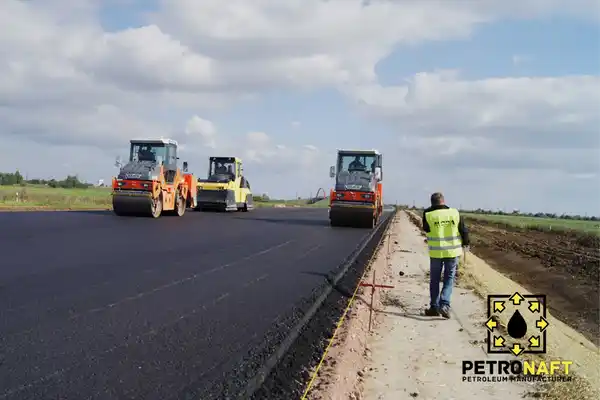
<point>444,238</point>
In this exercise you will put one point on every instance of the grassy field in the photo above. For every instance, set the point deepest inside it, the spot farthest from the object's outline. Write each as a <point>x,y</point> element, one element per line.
<point>40,197</point>
<point>542,224</point>
<point>533,223</point>
<point>43,197</point>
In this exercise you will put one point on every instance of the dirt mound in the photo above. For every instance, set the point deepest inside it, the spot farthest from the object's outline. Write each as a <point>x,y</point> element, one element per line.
<point>564,266</point>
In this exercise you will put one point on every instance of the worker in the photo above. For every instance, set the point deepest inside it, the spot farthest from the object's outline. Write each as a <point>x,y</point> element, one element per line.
<point>145,154</point>
<point>356,165</point>
<point>220,169</point>
<point>446,237</point>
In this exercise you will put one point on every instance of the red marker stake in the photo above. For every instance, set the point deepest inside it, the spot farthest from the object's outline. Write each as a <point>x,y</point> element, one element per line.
<point>373,286</point>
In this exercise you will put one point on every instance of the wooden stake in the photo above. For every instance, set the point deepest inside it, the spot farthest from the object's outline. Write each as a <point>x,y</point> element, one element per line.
<point>372,297</point>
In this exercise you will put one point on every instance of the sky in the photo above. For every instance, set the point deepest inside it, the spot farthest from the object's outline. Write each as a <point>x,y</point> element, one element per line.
<point>494,103</point>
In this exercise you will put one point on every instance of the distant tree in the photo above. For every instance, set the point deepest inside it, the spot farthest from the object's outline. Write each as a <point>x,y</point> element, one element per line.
<point>534,215</point>
<point>16,178</point>
<point>11,178</point>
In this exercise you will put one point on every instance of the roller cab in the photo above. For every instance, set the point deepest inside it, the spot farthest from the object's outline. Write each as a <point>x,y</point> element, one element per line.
<point>225,188</point>
<point>150,183</point>
<point>357,197</point>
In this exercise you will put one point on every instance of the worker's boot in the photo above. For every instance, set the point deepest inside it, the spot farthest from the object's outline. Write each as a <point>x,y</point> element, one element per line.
<point>445,311</point>
<point>432,312</point>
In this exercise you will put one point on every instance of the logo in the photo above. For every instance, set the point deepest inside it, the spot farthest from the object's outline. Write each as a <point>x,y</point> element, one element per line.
<point>517,326</point>
<point>517,329</point>
<point>445,222</point>
<point>133,176</point>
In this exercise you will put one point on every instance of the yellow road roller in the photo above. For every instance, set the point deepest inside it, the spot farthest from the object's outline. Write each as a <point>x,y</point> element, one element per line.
<point>225,188</point>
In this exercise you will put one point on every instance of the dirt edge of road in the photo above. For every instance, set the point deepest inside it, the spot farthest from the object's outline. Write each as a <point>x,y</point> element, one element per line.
<point>340,376</point>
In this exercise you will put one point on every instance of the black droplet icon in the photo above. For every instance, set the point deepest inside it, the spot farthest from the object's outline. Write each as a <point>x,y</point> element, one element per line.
<point>517,326</point>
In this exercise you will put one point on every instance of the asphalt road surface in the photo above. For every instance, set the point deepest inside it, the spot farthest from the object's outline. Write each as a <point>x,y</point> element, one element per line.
<point>93,306</point>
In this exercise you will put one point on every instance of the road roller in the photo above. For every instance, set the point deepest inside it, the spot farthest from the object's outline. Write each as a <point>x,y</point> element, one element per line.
<point>357,198</point>
<point>151,183</point>
<point>226,188</point>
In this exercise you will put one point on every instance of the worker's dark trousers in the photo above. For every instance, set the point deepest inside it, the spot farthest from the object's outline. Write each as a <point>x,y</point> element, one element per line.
<point>436,266</point>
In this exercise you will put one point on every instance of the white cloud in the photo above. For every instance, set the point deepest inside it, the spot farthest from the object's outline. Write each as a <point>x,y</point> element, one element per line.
<point>505,140</point>
<point>260,154</point>
<point>438,113</point>
<point>199,128</point>
<point>65,82</point>
<point>315,42</point>
<point>260,148</point>
<point>165,64</point>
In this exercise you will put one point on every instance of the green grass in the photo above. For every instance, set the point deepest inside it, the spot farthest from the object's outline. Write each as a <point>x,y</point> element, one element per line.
<point>39,196</point>
<point>542,224</point>
<point>43,197</point>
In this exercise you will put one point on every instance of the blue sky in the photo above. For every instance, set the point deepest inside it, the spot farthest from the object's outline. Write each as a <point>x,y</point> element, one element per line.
<point>483,110</point>
<point>556,47</point>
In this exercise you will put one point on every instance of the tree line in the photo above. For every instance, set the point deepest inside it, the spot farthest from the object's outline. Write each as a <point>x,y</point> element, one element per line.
<point>518,214</point>
<point>533,215</point>
<point>16,178</point>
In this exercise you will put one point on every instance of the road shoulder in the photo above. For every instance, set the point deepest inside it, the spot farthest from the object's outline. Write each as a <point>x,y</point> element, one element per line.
<point>418,356</point>
<point>408,355</point>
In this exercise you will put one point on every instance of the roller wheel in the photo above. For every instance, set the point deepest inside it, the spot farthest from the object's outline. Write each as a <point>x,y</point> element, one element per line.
<point>180,205</point>
<point>156,207</point>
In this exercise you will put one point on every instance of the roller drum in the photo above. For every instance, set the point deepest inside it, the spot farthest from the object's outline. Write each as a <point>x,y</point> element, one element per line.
<point>136,205</point>
<point>222,200</point>
<point>351,217</point>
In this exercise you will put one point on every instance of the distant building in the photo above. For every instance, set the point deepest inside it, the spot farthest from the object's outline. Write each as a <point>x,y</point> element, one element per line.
<point>100,182</point>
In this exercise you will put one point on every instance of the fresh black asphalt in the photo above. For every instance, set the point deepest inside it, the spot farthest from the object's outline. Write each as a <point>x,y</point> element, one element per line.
<point>94,306</point>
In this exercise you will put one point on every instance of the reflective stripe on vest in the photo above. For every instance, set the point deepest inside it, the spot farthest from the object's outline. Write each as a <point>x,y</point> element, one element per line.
<point>444,238</point>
